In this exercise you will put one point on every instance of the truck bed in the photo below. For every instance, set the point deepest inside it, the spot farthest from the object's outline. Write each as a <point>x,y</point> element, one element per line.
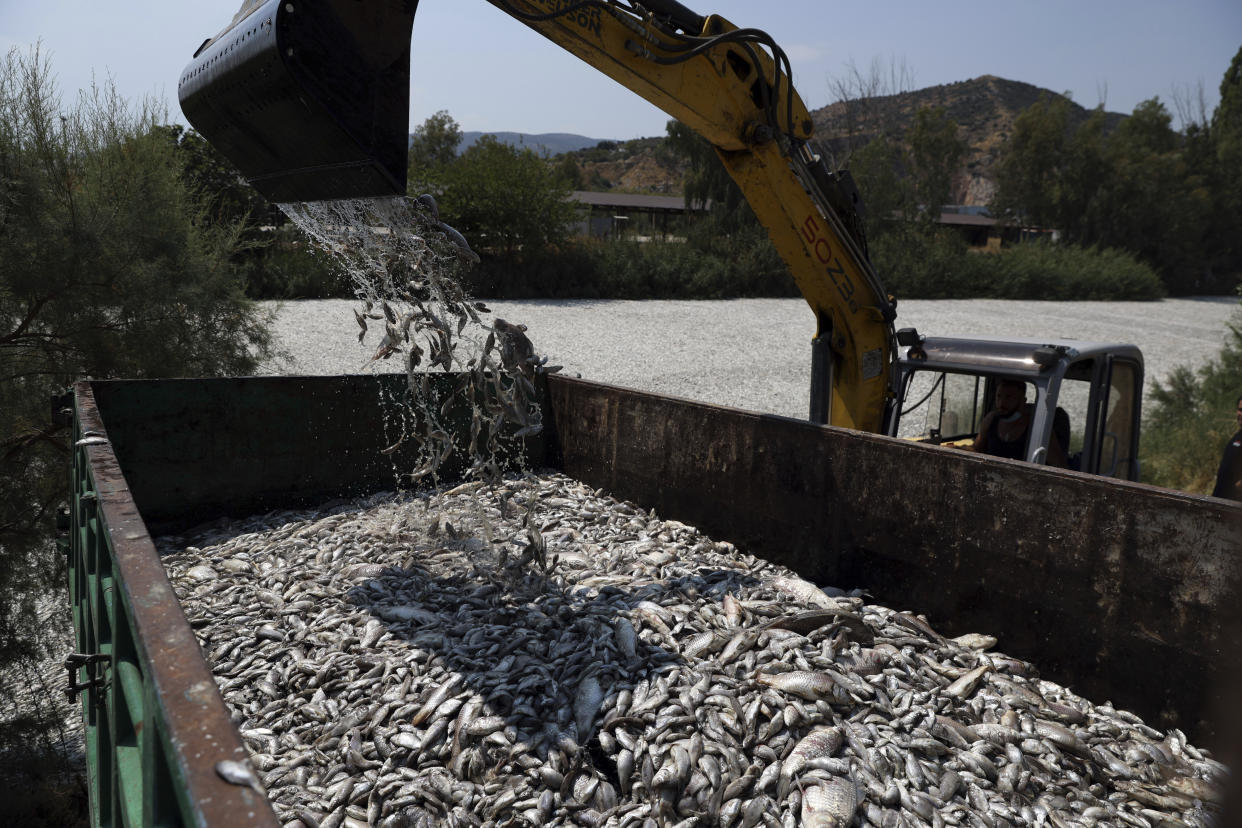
<point>1123,591</point>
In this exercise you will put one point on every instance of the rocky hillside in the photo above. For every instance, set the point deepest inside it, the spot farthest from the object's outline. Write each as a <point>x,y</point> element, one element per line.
<point>984,109</point>
<point>642,165</point>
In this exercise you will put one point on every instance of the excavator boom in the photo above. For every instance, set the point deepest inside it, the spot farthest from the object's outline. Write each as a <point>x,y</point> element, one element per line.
<point>310,101</point>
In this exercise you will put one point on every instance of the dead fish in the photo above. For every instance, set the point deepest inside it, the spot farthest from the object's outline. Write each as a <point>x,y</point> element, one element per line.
<point>626,639</point>
<point>516,350</point>
<point>975,641</point>
<point>433,701</point>
<point>586,704</point>
<point>804,591</point>
<point>463,247</point>
<point>820,742</point>
<point>351,622</point>
<point>802,683</point>
<point>966,685</point>
<point>829,804</point>
<point>238,773</point>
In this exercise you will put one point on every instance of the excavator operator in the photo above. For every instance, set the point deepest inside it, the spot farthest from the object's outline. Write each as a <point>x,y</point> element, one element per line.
<point>1004,430</point>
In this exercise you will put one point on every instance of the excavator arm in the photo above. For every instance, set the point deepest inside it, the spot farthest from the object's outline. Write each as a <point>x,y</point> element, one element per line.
<point>310,101</point>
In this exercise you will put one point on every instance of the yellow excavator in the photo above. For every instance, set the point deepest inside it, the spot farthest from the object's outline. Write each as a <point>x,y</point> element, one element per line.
<point>310,99</point>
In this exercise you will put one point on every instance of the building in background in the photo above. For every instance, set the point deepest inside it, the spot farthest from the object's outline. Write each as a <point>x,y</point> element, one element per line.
<point>632,216</point>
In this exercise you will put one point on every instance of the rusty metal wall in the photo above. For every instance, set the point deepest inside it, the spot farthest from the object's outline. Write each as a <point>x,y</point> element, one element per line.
<point>1120,590</point>
<point>198,449</point>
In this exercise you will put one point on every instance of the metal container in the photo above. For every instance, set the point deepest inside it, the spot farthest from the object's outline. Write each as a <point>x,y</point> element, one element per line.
<point>1124,591</point>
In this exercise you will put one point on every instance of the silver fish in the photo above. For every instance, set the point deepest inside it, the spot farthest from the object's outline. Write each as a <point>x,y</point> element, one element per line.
<point>829,804</point>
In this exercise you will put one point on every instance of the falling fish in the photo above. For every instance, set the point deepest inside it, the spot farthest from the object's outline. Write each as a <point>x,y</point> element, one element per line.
<point>428,202</point>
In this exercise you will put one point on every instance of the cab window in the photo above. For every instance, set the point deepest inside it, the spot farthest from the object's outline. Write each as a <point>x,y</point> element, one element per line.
<point>941,407</point>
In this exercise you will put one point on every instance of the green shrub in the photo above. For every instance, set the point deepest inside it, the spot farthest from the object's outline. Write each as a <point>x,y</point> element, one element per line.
<point>935,264</point>
<point>1184,432</point>
<point>289,268</point>
<point>931,264</point>
<point>109,267</point>
<point>1041,270</point>
<point>708,265</point>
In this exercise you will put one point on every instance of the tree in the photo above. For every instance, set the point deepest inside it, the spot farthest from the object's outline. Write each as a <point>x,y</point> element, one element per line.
<point>433,148</point>
<point>864,106</point>
<point>1080,212</point>
<point>707,181</point>
<point>1152,203</point>
<point>108,268</point>
<point>569,171</point>
<point>1145,188</point>
<point>877,169</point>
<point>936,152</point>
<point>505,199</point>
<point>219,187</point>
<point>1028,177</point>
<point>905,182</point>
<point>1226,136</point>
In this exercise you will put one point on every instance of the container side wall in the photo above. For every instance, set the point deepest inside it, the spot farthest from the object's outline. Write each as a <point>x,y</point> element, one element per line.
<point>195,450</point>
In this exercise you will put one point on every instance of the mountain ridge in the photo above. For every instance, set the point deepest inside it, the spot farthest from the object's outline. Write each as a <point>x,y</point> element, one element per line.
<point>984,108</point>
<point>554,143</point>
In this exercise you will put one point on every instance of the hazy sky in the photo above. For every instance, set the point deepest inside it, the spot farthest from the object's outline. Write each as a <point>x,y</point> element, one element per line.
<point>492,73</point>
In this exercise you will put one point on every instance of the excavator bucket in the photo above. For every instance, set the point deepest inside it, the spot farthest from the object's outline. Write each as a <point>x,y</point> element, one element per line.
<point>308,98</point>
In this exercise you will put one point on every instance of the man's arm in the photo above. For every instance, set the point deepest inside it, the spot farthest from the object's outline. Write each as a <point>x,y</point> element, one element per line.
<point>982,436</point>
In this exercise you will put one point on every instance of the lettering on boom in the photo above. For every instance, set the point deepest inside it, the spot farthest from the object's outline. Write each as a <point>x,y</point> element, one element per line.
<point>817,243</point>
<point>588,17</point>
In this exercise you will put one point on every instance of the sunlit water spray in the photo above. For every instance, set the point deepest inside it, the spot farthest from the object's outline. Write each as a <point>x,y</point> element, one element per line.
<point>405,266</point>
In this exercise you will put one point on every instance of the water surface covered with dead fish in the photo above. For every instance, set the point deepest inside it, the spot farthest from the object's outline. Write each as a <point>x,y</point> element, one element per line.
<point>755,354</point>
<point>536,653</point>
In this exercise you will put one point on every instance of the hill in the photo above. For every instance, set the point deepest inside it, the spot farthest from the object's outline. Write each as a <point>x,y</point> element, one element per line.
<point>640,165</point>
<point>553,143</point>
<point>984,109</point>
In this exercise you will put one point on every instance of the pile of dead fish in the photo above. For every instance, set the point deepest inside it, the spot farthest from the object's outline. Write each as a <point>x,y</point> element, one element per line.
<point>534,653</point>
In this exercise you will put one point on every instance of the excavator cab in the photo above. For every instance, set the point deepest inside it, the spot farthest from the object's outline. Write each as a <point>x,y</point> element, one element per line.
<point>1086,396</point>
<point>309,98</point>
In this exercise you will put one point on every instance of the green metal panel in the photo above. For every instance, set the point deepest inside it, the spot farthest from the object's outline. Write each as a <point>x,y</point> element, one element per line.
<point>145,766</point>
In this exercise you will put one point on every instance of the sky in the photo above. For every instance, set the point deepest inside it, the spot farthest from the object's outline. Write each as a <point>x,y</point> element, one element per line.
<point>493,74</point>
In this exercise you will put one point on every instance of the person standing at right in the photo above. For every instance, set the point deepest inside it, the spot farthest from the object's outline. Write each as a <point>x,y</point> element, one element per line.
<point>1229,476</point>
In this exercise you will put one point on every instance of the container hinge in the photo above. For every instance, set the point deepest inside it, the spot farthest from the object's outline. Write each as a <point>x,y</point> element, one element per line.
<point>93,682</point>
